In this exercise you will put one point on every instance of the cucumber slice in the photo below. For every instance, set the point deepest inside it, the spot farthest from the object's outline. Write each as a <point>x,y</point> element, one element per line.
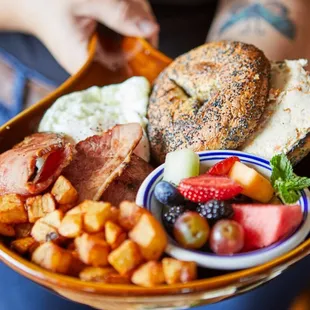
<point>180,165</point>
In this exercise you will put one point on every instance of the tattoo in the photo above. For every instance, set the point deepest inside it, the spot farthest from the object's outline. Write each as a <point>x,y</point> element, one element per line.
<point>275,14</point>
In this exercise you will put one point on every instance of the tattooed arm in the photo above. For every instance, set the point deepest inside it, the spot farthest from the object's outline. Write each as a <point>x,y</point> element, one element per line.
<point>279,27</point>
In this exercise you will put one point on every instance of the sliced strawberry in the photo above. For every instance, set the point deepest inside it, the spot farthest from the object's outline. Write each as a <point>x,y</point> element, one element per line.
<point>223,167</point>
<point>205,187</point>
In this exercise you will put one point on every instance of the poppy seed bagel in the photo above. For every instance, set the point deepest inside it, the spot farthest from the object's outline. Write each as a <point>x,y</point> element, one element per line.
<point>209,98</point>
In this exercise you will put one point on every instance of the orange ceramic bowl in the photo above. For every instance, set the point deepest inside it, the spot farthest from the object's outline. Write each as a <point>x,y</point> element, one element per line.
<point>140,59</point>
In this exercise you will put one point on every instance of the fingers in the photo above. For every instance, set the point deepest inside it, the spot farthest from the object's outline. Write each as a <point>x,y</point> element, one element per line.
<point>69,43</point>
<point>127,17</point>
<point>154,39</point>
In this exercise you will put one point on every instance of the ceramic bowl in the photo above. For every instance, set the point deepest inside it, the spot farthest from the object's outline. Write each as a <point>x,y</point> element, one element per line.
<point>140,59</point>
<point>146,198</point>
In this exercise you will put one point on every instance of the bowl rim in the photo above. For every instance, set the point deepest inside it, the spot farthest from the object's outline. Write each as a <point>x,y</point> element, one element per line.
<point>239,260</point>
<point>53,280</point>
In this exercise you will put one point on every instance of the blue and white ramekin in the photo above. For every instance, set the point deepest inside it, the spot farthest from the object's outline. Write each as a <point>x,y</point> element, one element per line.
<point>145,198</point>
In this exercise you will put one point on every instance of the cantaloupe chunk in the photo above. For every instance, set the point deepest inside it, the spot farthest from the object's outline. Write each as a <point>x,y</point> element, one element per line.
<point>254,184</point>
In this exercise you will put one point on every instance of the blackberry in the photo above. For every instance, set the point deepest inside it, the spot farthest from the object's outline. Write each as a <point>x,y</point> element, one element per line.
<point>189,205</point>
<point>215,210</point>
<point>172,214</point>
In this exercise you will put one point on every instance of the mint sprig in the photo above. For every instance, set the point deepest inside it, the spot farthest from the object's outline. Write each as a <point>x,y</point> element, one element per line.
<point>286,184</point>
<point>285,192</point>
<point>281,168</point>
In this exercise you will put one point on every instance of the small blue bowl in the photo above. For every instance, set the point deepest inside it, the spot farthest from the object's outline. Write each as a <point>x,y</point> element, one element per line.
<point>145,198</point>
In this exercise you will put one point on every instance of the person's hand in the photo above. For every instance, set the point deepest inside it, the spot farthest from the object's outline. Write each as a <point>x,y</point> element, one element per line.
<point>65,26</point>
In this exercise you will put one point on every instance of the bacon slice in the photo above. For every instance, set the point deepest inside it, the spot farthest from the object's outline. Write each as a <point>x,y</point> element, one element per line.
<point>100,159</point>
<point>125,187</point>
<point>33,165</point>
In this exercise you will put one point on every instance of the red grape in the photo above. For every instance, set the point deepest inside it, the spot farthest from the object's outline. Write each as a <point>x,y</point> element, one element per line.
<point>226,237</point>
<point>191,230</point>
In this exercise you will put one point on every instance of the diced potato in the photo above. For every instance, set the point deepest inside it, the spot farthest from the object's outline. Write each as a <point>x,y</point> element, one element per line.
<point>126,257</point>
<point>100,235</point>
<point>74,210</point>
<point>34,208</point>
<point>71,225</point>
<point>54,237</point>
<point>63,191</point>
<point>23,245</point>
<point>65,208</point>
<point>114,214</point>
<point>92,250</point>
<point>129,214</point>
<point>177,271</point>
<point>96,274</point>
<point>93,222</point>
<point>39,206</point>
<point>114,234</point>
<point>7,230</point>
<point>96,214</point>
<point>254,184</point>
<point>23,230</point>
<point>52,257</point>
<point>149,274</point>
<point>150,236</point>
<point>116,278</point>
<point>33,247</point>
<point>90,206</point>
<point>105,275</point>
<point>54,218</point>
<point>12,210</point>
<point>41,231</point>
<point>48,203</point>
<point>46,228</point>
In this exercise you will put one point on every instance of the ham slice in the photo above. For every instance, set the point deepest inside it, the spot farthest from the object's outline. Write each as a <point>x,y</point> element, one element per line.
<point>125,187</point>
<point>100,159</point>
<point>33,165</point>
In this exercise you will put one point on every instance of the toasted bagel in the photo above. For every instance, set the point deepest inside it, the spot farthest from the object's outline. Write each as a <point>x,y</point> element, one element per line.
<point>209,98</point>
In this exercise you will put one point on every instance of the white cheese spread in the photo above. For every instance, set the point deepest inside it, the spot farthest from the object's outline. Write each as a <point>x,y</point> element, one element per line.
<point>286,119</point>
<point>94,110</point>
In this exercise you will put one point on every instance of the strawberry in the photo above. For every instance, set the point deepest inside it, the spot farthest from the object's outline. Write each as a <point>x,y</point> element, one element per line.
<point>223,167</point>
<point>205,187</point>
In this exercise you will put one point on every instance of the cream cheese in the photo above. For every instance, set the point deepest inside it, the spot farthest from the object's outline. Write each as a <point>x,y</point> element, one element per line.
<point>286,119</point>
<point>92,111</point>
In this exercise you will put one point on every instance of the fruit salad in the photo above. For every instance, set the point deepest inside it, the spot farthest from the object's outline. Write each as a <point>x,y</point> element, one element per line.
<point>231,208</point>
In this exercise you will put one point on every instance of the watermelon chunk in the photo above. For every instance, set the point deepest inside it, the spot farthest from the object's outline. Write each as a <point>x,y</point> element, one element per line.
<point>265,224</point>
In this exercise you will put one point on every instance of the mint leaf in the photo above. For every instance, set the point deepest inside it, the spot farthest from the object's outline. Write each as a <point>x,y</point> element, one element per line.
<point>281,168</point>
<point>286,194</point>
<point>289,197</point>
<point>286,184</point>
<point>278,184</point>
<point>298,183</point>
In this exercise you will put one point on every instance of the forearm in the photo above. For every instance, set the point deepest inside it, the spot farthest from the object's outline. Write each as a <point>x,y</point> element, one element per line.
<point>15,15</point>
<point>280,28</point>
